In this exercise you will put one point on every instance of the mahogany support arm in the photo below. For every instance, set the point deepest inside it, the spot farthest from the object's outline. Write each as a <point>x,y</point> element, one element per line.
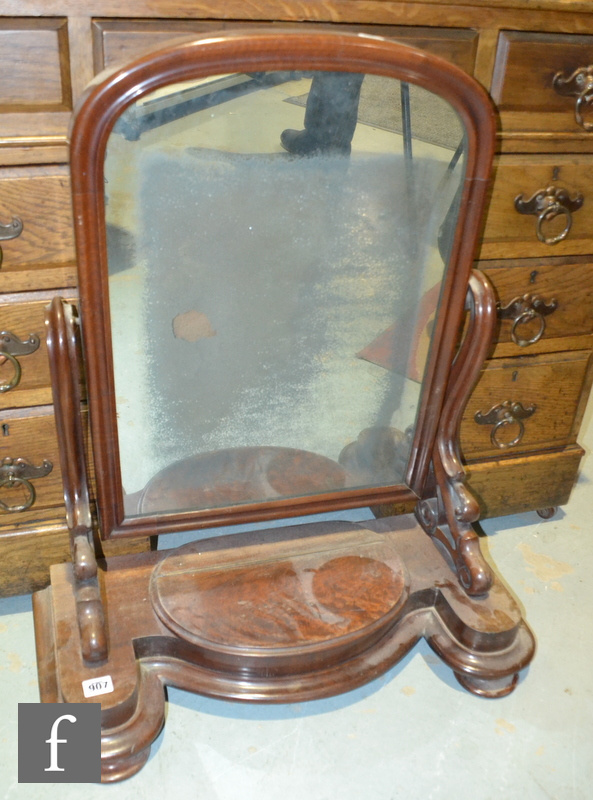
<point>61,334</point>
<point>448,515</point>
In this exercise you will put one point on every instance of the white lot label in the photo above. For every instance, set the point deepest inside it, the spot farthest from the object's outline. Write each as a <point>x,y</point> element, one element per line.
<point>95,686</point>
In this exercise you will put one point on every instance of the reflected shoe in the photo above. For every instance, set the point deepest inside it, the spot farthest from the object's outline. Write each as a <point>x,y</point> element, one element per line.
<point>302,143</point>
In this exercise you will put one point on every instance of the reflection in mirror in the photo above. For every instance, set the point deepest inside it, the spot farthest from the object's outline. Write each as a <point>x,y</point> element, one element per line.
<point>276,244</point>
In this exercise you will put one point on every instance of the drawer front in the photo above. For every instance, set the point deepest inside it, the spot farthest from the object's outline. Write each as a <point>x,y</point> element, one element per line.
<point>33,75</point>
<point>30,548</point>
<point>540,206</point>
<point>31,437</point>
<point>119,41</point>
<point>35,89</point>
<point>24,366</point>
<point>542,302</point>
<point>41,254</point>
<point>116,42</point>
<point>525,404</point>
<point>514,485</point>
<point>27,556</point>
<point>526,90</point>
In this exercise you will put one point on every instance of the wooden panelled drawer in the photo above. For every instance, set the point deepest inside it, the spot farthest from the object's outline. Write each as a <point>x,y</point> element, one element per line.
<point>562,226</point>
<point>543,303</point>
<point>41,255</point>
<point>27,552</point>
<point>116,42</point>
<point>34,77</point>
<point>26,556</point>
<point>29,435</point>
<point>550,390</point>
<point>523,85</point>
<point>512,485</point>
<point>22,326</point>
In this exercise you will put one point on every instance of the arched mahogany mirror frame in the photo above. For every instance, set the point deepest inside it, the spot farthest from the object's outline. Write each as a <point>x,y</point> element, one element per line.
<point>107,99</point>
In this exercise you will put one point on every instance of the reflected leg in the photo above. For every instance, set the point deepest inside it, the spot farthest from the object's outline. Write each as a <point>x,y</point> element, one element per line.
<point>330,116</point>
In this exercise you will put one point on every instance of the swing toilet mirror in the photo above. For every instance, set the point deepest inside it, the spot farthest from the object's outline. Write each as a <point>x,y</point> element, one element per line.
<point>275,236</point>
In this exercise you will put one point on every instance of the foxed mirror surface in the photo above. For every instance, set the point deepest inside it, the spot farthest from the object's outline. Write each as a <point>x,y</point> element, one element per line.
<point>276,246</point>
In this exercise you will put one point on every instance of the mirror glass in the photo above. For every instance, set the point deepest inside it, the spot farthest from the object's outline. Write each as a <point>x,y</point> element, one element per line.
<point>276,245</point>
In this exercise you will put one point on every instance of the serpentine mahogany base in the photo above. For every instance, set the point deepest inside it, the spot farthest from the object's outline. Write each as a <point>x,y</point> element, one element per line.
<point>282,615</point>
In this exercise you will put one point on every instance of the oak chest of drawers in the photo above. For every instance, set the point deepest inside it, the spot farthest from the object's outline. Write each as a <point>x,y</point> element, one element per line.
<point>520,428</point>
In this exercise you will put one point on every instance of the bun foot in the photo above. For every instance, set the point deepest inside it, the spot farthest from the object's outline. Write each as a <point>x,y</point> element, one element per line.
<point>488,687</point>
<point>547,513</point>
<point>118,769</point>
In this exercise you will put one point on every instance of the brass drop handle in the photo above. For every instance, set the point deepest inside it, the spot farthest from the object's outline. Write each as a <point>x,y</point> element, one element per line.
<point>546,204</point>
<point>523,310</point>
<point>18,472</point>
<point>579,85</point>
<point>10,347</point>
<point>10,231</point>
<point>509,412</point>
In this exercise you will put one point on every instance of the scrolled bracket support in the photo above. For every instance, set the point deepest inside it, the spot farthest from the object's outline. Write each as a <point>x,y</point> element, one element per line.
<point>448,513</point>
<point>62,345</point>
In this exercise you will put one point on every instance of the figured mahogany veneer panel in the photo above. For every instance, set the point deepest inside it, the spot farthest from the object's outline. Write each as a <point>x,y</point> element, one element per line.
<point>522,87</point>
<point>34,65</point>
<point>509,234</point>
<point>552,384</point>
<point>256,604</point>
<point>238,475</point>
<point>117,41</point>
<point>40,197</point>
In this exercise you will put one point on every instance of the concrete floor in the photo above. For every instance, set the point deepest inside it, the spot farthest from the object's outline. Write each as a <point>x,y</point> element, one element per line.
<point>412,734</point>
